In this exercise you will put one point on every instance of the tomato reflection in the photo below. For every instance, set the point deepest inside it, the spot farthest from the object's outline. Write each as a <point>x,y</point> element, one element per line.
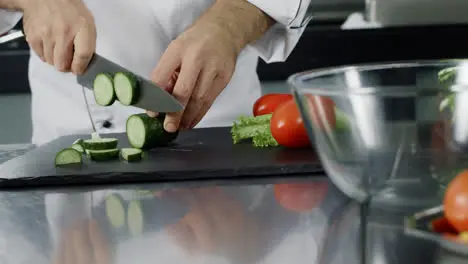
<point>300,197</point>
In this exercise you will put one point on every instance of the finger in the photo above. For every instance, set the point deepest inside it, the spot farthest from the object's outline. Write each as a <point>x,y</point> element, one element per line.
<point>183,236</point>
<point>182,92</point>
<point>63,53</point>
<point>151,114</point>
<point>218,85</point>
<point>49,44</point>
<point>163,74</point>
<point>99,244</point>
<point>37,46</point>
<point>81,245</point>
<point>85,45</point>
<point>59,255</point>
<point>69,254</point>
<point>200,97</point>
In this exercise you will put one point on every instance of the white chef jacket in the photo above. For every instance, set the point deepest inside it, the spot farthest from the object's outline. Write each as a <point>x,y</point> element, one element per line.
<point>135,34</point>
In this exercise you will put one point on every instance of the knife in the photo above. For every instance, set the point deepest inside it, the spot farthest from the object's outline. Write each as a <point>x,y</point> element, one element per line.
<point>152,97</point>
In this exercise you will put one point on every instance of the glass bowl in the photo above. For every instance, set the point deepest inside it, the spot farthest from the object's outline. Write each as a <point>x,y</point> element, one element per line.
<point>393,132</point>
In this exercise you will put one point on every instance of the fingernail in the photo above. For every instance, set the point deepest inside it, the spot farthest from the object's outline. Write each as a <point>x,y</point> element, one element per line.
<point>170,127</point>
<point>151,114</point>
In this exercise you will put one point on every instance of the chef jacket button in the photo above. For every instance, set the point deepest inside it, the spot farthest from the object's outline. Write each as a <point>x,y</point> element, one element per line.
<point>107,124</point>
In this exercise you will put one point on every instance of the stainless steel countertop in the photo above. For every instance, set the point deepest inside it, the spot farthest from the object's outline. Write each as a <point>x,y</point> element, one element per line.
<point>206,222</point>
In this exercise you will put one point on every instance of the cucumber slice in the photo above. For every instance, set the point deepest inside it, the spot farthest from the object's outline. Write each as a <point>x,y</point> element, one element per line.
<point>95,135</point>
<point>126,88</point>
<point>135,218</point>
<point>103,155</point>
<point>68,156</point>
<point>103,89</point>
<point>78,147</point>
<point>144,132</point>
<point>131,154</point>
<point>100,143</point>
<point>78,141</point>
<point>115,211</point>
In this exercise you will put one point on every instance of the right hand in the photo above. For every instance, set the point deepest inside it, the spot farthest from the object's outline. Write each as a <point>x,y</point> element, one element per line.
<point>61,32</point>
<point>83,243</point>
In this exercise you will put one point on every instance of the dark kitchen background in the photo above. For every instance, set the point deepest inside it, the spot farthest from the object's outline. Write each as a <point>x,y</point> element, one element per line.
<point>322,45</point>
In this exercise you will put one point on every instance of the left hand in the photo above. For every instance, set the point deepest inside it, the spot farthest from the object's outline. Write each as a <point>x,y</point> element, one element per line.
<point>195,68</point>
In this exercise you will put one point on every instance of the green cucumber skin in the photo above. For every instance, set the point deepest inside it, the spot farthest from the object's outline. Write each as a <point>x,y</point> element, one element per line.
<point>106,155</point>
<point>93,145</point>
<point>135,85</point>
<point>109,76</point>
<point>156,135</point>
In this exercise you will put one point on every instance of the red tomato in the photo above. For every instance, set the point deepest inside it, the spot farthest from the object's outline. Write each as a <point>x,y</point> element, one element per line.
<point>300,197</point>
<point>322,111</point>
<point>269,102</point>
<point>456,202</point>
<point>287,127</point>
<point>442,225</point>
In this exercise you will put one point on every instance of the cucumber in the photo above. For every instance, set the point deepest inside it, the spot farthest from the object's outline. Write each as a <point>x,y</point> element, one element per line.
<point>78,147</point>
<point>115,211</point>
<point>131,154</point>
<point>78,141</point>
<point>68,156</point>
<point>126,88</point>
<point>151,213</point>
<point>145,132</point>
<point>135,218</point>
<point>103,155</point>
<point>103,89</point>
<point>100,143</point>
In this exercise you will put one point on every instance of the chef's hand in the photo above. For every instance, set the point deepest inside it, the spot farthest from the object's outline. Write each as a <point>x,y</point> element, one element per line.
<point>216,224</point>
<point>83,243</point>
<point>61,32</point>
<point>199,64</point>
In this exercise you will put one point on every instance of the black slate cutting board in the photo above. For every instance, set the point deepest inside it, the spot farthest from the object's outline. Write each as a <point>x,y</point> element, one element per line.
<point>206,153</point>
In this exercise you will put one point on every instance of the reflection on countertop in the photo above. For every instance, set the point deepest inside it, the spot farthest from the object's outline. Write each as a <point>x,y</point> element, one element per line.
<point>222,223</point>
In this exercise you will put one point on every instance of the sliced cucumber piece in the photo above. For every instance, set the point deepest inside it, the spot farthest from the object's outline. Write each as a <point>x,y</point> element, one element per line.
<point>78,147</point>
<point>103,155</point>
<point>131,154</point>
<point>126,88</point>
<point>103,89</point>
<point>135,218</point>
<point>115,211</point>
<point>78,141</point>
<point>68,156</point>
<point>145,132</point>
<point>100,143</point>
<point>95,135</point>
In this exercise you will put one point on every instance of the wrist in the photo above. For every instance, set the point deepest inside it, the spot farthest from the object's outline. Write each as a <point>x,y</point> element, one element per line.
<point>240,20</point>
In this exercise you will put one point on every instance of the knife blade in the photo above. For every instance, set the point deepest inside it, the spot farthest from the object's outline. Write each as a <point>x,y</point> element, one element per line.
<point>151,97</point>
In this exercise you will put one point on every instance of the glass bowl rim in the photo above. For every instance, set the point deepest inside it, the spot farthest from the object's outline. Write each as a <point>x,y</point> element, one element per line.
<point>296,81</point>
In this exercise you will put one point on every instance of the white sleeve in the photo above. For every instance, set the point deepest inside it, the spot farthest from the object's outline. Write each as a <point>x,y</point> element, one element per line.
<point>281,39</point>
<point>8,19</point>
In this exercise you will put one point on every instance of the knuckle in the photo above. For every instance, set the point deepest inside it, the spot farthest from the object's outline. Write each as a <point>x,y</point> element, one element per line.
<point>46,31</point>
<point>202,99</point>
<point>184,94</point>
<point>64,28</point>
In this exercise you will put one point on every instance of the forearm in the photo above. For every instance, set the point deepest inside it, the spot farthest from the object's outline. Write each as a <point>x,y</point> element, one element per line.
<point>240,19</point>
